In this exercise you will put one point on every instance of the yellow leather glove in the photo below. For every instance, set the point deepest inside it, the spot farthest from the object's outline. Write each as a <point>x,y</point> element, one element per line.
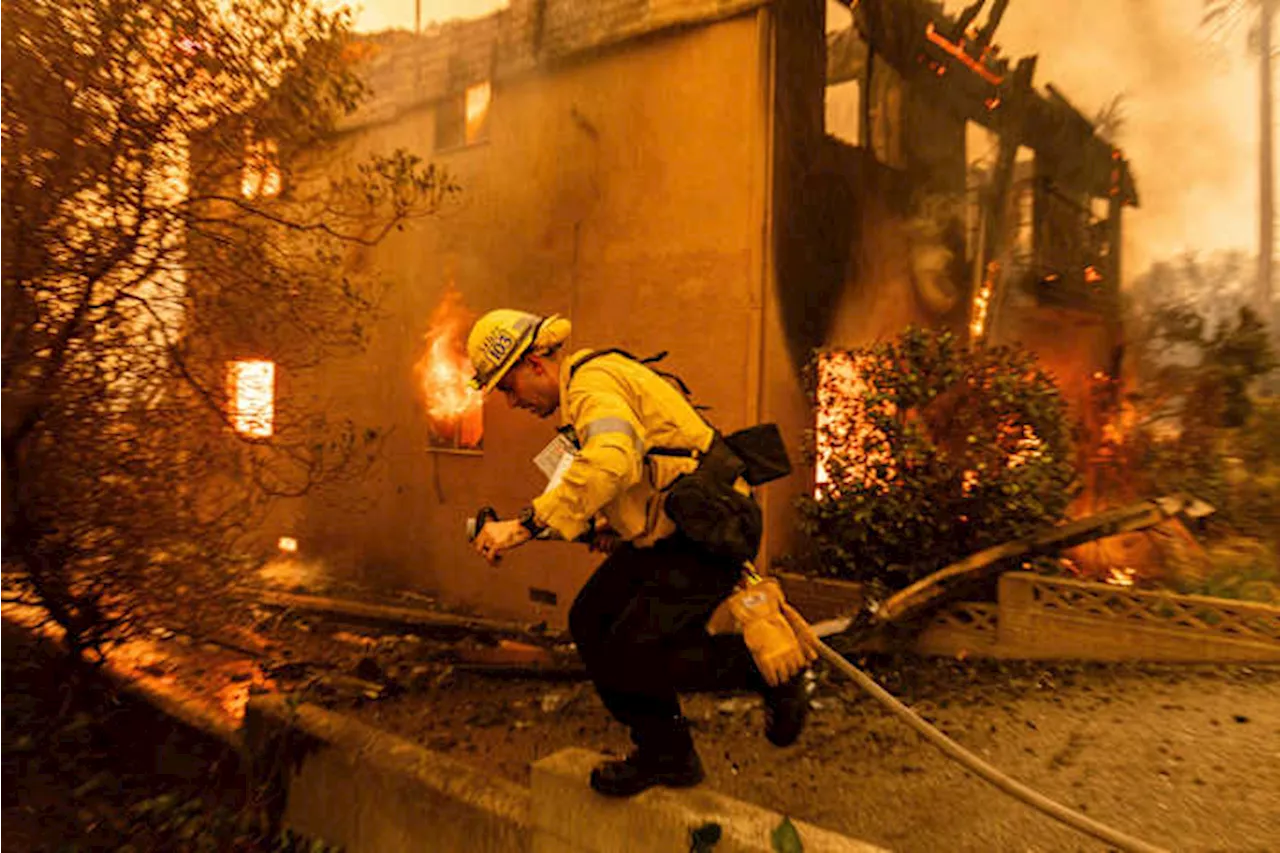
<point>773,643</point>
<point>804,633</point>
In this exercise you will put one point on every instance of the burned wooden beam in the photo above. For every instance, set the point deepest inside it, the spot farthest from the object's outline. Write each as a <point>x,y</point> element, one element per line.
<point>930,591</point>
<point>390,615</point>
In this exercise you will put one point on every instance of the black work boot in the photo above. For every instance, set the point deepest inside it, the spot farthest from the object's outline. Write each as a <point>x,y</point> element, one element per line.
<point>641,769</point>
<point>663,755</point>
<point>785,709</point>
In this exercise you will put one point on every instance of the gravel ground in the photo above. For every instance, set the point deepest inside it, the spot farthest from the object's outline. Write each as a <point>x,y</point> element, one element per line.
<point>1184,757</point>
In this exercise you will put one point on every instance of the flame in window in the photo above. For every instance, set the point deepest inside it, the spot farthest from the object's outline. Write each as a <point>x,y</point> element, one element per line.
<point>477,110</point>
<point>251,391</point>
<point>455,410</point>
<point>260,177</point>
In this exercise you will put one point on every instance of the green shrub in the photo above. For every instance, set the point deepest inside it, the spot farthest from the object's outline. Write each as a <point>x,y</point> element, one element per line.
<point>1236,567</point>
<point>929,451</point>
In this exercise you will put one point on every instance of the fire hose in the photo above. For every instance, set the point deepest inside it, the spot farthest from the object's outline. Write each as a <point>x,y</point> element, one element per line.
<point>980,768</point>
<point>949,747</point>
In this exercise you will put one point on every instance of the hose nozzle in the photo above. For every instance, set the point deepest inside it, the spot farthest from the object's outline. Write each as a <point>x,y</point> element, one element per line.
<point>482,517</point>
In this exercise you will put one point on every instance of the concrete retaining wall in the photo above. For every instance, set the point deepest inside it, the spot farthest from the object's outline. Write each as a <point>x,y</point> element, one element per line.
<point>361,788</point>
<point>352,785</point>
<point>568,817</point>
<point>1057,618</point>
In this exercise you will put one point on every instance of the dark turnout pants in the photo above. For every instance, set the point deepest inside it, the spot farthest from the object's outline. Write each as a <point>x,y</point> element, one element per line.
<point>640,627</point>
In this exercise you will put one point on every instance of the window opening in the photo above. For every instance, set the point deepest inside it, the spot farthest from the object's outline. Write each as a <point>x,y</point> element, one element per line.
<point>260,176</point>
<point>251,393</point>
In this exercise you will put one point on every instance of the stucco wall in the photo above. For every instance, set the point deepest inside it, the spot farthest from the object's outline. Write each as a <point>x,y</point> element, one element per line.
<point>625,191</point>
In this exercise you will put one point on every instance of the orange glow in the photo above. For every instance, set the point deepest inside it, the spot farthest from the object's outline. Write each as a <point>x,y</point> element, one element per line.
<point>957,51</point>
<point>982,303</point>
<point>287,545</point>
<point>1020,442</point>
<point>845,428</point>
<point>477,110</point>
<point>454,408</point>
<point>251,392</point>
<point>190,46</point>
<point>1120,577</point>
<point>1091,274</point>
<point>260,177</point>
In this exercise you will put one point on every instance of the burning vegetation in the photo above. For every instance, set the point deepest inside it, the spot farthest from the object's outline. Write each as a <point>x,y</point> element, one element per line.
<point>928,451</point>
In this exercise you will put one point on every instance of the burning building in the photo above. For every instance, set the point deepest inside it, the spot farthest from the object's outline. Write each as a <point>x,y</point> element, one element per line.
<point>730,180</point>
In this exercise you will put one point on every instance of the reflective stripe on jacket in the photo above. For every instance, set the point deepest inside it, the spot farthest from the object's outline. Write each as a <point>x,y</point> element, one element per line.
<point>619,409</point>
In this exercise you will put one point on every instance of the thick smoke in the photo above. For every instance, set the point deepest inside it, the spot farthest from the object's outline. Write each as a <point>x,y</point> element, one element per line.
<point>1191,103</point>
<point>1191,97</point>
<point>376,15</point>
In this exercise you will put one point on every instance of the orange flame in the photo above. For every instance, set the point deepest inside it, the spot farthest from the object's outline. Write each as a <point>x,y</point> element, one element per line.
<point>956,49</point>
<point>845,427</point>
<point>252,394</point>
<point>1120,577</point>
<point>982,302</point>
<point>476,102</point>
<point>454,408</point>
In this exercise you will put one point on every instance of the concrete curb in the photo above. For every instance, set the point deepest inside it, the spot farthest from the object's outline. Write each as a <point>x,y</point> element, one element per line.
<point>568,817</point>
<point>366,790</point>
<point>179,705</point>
<point>371,792</point>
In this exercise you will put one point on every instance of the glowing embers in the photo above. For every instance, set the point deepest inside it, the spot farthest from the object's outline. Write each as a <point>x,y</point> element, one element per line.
<point>251,395</point>
<point>260,176</point>
<point>287,545</point>
<point>958,50</point>
<point>1019,443</point>
<point>1120,576</point>
<point>455,410</point>
<point>981,308</point>
<point>846,429</point>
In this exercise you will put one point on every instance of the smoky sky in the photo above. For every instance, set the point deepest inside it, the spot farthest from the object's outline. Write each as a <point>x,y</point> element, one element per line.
<point>375,15</point>
<point>1191,108</point>
<point>1191,104</point>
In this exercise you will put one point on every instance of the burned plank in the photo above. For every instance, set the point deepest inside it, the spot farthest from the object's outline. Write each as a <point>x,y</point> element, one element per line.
<point>384,614</point>
<point>932,590</point>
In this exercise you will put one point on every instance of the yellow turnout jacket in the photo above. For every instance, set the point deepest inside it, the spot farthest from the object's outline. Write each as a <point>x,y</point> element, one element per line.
<point>619,409</point>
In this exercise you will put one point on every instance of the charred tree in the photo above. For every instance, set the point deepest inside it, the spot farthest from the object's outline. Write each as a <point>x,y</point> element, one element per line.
<point>160,212</point>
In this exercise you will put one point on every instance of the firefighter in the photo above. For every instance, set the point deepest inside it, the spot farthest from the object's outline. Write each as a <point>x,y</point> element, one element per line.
<point>640,621</point>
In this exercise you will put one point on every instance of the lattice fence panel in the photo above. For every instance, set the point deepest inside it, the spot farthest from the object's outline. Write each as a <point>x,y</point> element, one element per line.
<point>980,617</point>
<point>1218,616</point>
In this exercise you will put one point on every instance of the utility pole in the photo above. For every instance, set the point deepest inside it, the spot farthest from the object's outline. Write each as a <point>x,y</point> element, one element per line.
<point>1266,177</point>
<point>417,16</point>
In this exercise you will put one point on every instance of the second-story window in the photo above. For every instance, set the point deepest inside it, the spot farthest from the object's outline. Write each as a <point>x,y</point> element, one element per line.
<point>462,118</point>
<point>260,175</point>
<point>251,391</point>
<point>476,101</point>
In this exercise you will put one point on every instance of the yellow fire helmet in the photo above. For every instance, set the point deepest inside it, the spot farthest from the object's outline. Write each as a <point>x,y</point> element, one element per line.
<point>500,338</point>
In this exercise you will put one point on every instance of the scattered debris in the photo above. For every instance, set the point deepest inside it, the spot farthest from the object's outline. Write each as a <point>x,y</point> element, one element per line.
<point>383,614</point>
<point>738,704</point>
<point>959,578</point>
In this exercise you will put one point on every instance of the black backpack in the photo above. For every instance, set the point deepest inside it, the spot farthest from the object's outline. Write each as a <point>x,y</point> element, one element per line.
<point>703,503</point>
